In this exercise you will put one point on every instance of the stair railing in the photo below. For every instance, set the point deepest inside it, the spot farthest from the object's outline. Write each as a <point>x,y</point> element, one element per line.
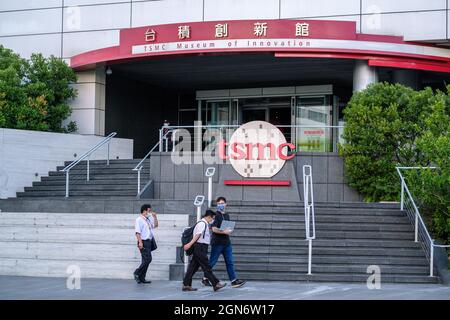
<point>87,155</point>
<point>140,165</point>
<point>421,233</point>
<point>308,198</point>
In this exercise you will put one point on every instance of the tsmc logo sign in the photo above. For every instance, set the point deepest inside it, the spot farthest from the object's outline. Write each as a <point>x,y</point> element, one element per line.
<point>256,149</point>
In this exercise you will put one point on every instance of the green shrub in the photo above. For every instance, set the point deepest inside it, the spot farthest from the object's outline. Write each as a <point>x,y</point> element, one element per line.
<point>381,125</point>
<point>34,92</point>
<point>388,125</point>
<point>431,188</point>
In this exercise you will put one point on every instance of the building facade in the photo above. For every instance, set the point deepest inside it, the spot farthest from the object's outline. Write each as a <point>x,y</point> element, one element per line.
<point>294,63</point>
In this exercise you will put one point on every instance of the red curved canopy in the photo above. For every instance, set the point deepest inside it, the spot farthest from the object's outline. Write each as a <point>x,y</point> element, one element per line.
<point>285,38</point>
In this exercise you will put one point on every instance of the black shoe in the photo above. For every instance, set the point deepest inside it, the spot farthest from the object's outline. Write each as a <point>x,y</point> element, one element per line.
<point>136,277</point>
<point>146,281</point>
<point>237,283</point>
<point>219,286</point>
<point>188,288</point>
<point>206,283</point>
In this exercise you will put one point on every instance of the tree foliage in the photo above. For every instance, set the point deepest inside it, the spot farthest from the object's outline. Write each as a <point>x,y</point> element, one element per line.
<point>388,125</point>
<point>34,92</point>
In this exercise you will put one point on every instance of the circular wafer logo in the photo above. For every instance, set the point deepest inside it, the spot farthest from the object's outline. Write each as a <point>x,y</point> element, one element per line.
<point>257,149</point>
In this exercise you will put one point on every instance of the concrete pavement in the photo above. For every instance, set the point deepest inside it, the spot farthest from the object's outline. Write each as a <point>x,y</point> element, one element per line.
<point>30,288</point>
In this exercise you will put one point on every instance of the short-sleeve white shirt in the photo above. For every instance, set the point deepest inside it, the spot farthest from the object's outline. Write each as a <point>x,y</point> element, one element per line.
<point>145,227</point>
<point>199,228</point>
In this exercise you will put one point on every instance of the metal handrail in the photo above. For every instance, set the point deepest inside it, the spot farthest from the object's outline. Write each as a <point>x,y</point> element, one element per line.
<point>230,127</point>
<point>139,166</point>
<point>237,126</point>
<point>308,198</point>
<point>418,221</point>
<point>87,154</point>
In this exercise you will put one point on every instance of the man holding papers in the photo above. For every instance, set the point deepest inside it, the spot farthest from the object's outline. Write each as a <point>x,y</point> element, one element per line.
<point>222,227</point>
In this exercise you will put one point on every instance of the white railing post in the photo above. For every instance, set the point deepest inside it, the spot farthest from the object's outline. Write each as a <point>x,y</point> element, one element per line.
<point>431,257</point>
<point>402,197</point>
<point>139,181</point>
<point>198,202</point>
<point>87,175</point>
<point>209,174</point>
<point>308,199</point>
<point>416,227</point>
<point>67,183</point>
<point>107,162</point>
<point>309,256</point>
<point>160,140</point>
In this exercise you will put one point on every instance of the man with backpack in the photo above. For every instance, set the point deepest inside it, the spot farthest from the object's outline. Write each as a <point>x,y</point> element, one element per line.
<point>221,245</point>
<point>199,248</point>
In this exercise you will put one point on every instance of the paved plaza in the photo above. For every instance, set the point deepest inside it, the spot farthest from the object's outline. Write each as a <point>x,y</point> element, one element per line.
<point>30,288</point>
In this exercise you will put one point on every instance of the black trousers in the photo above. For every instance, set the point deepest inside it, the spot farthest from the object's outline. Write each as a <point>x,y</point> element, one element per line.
<point>146,254</point>
<point>199,259</point>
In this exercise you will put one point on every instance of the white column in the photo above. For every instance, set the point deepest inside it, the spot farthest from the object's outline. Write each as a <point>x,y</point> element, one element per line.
<point>363,75</point>
<point>88,108</point>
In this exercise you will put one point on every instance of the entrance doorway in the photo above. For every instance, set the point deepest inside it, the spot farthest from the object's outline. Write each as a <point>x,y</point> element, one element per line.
<point>254,115</point>
<point>303,114</point>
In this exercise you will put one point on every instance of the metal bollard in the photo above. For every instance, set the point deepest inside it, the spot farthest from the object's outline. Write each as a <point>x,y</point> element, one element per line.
<point>209,174</point>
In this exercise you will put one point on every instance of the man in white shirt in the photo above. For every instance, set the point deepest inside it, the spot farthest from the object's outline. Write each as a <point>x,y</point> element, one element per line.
<point>144,226</point>
<point>200,240</point>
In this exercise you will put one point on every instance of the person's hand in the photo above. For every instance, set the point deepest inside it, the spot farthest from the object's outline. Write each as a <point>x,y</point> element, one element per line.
<point>227,231</point>
<point>140,245</point>
<point>187,246</point>
<point>153,214</point>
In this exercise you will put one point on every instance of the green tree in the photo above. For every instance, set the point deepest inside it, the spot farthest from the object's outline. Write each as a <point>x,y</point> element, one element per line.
<point>34,92</point>
<point>431,187</point>
<point>389,125</point>
<point>382,123</point>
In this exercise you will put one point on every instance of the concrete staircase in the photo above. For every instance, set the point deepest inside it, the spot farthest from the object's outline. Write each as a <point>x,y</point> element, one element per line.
<point>102,245</point>
<point>114,180</point>
<point>269,240</point>
<point>269,244</point>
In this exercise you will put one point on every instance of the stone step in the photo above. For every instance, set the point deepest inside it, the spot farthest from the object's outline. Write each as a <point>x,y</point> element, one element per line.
<point>125,193</point>
<point>328,277</point>
<point>88,268</point>
<point>62,182</point>
<point>85,234</point>
<point>293,226</point>
<point>85,187</point>
<point>88,223</point>
<point>332,259</point>
<point>101,165</point>
<point>83,251</point>
<point>95,177</point>
<point>40,219</point>
<point>319,268</point>
<point>320,218</point>
<point>326,234</point>
<point>96,171</point>
<point>103,161</point>
<point>327,243</point>
<point>295,204</point>
<point>318,211</point>
<point>347,251</point>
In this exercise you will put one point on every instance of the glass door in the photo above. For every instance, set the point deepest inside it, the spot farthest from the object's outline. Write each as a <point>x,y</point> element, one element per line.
<point>313,115</point>
<point>218,112</point>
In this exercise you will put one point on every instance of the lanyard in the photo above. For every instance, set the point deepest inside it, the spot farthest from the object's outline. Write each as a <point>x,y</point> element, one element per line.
<point>148,223</point>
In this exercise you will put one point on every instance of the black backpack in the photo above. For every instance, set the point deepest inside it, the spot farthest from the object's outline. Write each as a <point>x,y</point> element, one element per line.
<point>187,235</point>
